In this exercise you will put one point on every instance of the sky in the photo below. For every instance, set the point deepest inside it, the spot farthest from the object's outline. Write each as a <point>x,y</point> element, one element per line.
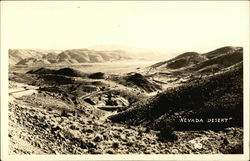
<point>145,25</point>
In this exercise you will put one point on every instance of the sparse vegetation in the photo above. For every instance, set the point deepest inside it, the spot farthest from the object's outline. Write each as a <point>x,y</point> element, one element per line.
<point>62,110</point>
<point>218,96</point>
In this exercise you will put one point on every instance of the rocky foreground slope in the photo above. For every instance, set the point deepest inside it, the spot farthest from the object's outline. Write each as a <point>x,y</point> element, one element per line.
<point>43,124</point>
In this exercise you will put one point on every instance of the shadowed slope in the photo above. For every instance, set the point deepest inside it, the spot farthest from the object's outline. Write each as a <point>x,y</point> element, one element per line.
<point>218,96</point>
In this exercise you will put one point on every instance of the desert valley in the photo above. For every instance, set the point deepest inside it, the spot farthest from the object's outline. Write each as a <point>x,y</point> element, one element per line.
<point>86,101</point>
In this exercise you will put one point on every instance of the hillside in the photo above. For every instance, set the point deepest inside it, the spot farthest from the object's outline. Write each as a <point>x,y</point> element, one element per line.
<point>138,81</point>
<point>63,72</point>
<point>213,87</point>
<point>222,50</point>
<point>41,71</point>
<point>180,61</point>
<point>220,61</point>
<point>46,57</point>
<point>219,96</point>
<point>222,57</point>
<point>17,55</point>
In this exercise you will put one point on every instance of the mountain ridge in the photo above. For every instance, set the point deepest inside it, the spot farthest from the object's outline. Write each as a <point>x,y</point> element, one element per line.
<point>71,56</point>
<point>189,59</point>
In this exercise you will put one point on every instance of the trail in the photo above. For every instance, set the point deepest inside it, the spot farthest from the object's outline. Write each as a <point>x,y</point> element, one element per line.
<point>23,90</point>
<point>91,94</point>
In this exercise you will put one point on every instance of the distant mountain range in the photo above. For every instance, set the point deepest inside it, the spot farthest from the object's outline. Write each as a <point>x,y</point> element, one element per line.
<point>185,60</point>
<point>45,57</point>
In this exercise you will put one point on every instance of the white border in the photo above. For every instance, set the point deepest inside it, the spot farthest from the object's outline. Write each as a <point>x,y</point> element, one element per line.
<point>4,118</point>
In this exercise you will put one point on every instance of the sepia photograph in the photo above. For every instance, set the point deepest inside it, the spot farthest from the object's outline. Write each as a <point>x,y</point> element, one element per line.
<point>122,80</point>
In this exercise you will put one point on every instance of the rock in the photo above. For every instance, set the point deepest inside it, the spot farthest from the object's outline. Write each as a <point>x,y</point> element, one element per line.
<point>105,136</point>
<point>98,138</point>
<point>87,130</point>
<point>123,137</point>
<point>91,145</point>
<point>147,152</point>
<point>174,151</point>
<point>64,114</point>
<point>94,151</point>
<point>130,144</point>
<point>88,100</point>
<point>225,141</point>
<point>115,145</point>
<point>73,127</point>
<point>117,136</point>
<point>198,146</point>
<point>147,130</point>
<point>110,151</point>
<point>54,129</point>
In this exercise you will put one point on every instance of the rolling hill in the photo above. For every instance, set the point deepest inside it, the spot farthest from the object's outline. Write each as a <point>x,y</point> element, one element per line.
<point>180,61</point>
<point>219,58</point>
<point>222,50</point>
<point>219,61</point>
<point>45,57</point>
<point>17,55</point>
<point>63,72</point>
